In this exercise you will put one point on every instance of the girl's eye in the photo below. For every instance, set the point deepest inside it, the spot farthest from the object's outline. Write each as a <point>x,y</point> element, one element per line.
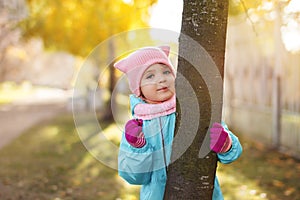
<point>167,72</point>
<point>149,76</point>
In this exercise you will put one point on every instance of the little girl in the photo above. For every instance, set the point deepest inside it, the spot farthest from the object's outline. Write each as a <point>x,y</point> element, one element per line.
<point>145,148</point>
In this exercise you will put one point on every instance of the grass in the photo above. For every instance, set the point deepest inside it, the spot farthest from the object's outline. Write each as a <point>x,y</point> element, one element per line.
<point>49,161</point>
<point>260,173</point>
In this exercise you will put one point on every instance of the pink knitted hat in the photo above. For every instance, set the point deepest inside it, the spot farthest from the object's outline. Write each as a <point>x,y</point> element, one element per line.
<point>137,63</point>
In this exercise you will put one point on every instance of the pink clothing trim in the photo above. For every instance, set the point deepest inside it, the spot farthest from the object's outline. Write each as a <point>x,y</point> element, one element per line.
<point>147,111</point>
<point>227,145</point>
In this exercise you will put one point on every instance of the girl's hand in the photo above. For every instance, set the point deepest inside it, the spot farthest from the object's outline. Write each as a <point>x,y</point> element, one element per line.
<point>133,133</point>
<point>220,141</point>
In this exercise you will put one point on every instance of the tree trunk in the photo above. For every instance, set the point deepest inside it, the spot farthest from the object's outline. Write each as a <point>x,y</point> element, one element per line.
<point>192,170</point>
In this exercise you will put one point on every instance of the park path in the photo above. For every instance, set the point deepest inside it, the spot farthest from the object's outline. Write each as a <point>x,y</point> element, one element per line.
<point>18,116</point>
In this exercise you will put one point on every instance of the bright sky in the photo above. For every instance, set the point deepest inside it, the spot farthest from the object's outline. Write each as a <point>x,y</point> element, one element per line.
<point>294,6</point>
<point>166,14</point>
<point>291,32</point>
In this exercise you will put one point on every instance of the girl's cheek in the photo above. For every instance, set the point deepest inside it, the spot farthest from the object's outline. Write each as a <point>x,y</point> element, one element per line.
<point>147,84</point>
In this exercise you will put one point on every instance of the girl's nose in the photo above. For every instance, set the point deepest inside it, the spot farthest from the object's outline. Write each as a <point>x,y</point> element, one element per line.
<point>162,79</point>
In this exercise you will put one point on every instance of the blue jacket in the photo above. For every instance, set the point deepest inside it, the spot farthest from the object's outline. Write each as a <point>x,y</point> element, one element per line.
<point>146,166</point>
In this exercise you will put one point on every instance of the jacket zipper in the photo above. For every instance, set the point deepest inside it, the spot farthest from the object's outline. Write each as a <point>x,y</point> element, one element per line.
<point>163,145</point>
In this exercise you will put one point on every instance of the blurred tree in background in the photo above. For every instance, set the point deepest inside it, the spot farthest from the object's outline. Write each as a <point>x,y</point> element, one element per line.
<point>236,7</point>
<point>260,13</point>
<point>77,26</point>
<point>11,12</point>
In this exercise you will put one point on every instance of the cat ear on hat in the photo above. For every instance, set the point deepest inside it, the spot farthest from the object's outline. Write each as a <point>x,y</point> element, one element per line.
<point>121,65</point>
<point>165,49</point>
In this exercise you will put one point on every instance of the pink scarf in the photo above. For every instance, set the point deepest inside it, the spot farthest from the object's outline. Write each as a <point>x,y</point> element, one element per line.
<point>148,111</point>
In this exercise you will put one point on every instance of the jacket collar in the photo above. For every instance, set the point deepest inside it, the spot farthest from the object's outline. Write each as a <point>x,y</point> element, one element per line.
<point>146,111</point>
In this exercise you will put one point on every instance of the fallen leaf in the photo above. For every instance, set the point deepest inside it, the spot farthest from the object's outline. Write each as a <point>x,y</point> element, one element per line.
<point>289,191</point>
<point>278,183</point>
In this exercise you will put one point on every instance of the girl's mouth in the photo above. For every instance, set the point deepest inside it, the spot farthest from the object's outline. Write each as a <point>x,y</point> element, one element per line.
<point>162,89</point>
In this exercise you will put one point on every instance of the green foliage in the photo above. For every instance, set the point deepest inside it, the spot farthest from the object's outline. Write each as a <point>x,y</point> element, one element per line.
<point>78,26</point>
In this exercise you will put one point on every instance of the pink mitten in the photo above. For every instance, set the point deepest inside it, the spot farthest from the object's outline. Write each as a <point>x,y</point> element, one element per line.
<point>133,133</point>
<point>220,141</point>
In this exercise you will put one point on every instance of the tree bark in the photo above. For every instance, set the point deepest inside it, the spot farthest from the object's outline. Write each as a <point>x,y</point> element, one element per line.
<point>191,173</point>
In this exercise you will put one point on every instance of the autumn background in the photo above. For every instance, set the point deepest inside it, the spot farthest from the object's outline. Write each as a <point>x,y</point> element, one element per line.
<point>55,58</point>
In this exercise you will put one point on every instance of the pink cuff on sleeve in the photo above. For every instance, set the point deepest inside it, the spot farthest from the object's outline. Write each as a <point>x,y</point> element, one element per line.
<point>227,145</point>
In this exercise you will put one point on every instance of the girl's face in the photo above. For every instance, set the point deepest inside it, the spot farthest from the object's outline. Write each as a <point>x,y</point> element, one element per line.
<point>158,83</point>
